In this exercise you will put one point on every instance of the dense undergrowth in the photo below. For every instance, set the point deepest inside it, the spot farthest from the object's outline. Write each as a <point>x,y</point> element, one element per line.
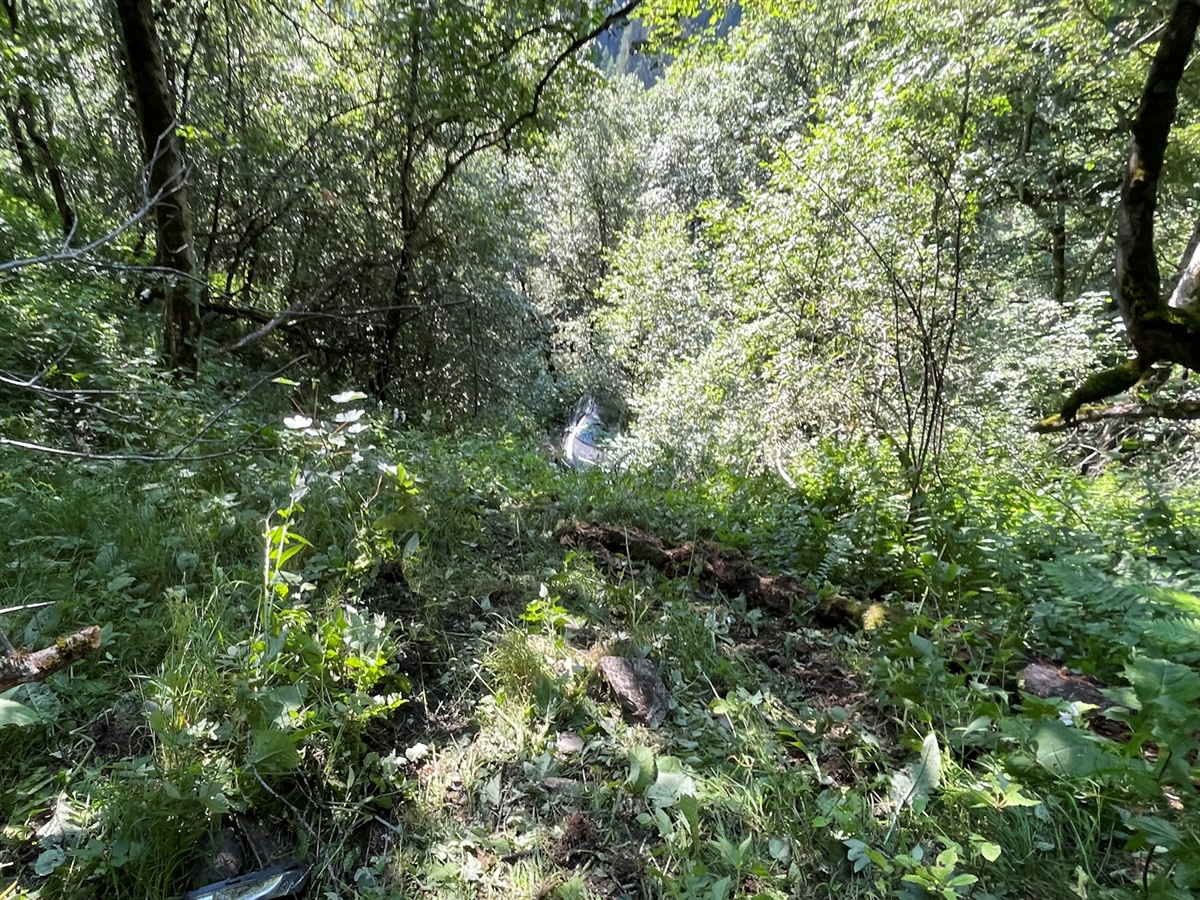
<point>360,636</point>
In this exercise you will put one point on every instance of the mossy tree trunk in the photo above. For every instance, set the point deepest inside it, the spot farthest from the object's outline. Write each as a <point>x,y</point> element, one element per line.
<point>147,76</point>
<point>1158,332</point>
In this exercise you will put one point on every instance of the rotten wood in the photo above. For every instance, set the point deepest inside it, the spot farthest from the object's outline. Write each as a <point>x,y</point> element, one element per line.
<point>1042,678</point>
<point>23,667</point>
<point>615,546</point>
<point>1045,680</point>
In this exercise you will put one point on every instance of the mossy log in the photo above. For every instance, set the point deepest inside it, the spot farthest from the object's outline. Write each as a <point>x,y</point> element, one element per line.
<point>1125,412</point>
<point>22,666</point>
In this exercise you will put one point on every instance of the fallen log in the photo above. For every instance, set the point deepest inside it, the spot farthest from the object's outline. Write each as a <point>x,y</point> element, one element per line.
<point>615,546</point>
<point>1046,680</point>
<point>1042,678</point>
<point>23,666</point>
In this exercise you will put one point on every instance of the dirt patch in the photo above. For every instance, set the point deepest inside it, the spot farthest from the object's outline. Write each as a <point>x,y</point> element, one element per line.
<point>120,733</point>
<point>618,874</point>
<point>578,841</point>
<point>389,593</point>
<point>826,684</point>
<point>821,682</point>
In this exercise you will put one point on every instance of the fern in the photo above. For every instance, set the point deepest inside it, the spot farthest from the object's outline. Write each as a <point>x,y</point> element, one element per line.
<point>839,548</point>
<point>1170,597</point>
<point>1120,614</point>
<point>1086,585</point>
<point>1177,634</point>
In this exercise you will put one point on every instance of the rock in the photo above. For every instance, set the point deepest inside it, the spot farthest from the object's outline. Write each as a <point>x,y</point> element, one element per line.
<point>556,785</point>
<point>569,743</point>
<point>638,687</point>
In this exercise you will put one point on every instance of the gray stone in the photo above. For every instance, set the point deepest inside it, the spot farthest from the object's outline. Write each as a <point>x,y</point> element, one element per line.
<point>568,743</point>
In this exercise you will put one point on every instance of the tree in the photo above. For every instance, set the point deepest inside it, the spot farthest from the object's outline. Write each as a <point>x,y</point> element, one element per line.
<point>24,127</point>
<point>463,85</point>
<point>1158,331</point>
<point>166,187</point>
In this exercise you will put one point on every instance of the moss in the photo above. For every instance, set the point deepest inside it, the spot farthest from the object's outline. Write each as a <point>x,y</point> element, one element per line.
<point>1101,385</point>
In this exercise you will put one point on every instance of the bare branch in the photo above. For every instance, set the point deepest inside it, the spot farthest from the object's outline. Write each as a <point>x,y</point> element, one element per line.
<point>133,457</point>
<point>77,255</point>
<point>1189,273</point>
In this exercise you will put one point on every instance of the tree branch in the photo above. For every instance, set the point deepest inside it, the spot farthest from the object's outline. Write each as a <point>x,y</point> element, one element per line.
<point>1127,412</point>
<point>20,667</point>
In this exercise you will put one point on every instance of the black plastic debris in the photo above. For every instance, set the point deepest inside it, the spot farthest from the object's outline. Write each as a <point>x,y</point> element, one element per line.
<point>283,880</point>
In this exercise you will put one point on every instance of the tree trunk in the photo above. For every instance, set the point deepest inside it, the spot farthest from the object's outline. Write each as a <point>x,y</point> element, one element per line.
<point>20,144</point>
<point>1058,232</point>
<point>167,181</point>
<point>54,173</point>
<point>1156,330</point>
<point>22,123</point>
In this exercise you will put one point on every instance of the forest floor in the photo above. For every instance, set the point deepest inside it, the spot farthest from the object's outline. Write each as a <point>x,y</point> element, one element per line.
<point>413,700</point>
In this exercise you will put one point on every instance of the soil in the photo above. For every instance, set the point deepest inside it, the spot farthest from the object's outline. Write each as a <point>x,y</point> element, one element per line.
<point>120,733</point>
<point>578,842</point>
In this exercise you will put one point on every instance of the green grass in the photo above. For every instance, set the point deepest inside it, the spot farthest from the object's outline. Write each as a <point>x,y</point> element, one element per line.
<point>234,685</point>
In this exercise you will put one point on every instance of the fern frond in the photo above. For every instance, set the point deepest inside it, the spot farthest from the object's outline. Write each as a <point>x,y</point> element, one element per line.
<point>1091,587</point>
<point>1176,633</point>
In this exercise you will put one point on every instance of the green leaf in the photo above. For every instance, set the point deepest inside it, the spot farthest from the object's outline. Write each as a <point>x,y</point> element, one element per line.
<point>1157,678</point>
<point>928,775</point>
<point>412,546</point>
<point>989,851</point>
<point>16,714</point>
<point>1064,751</point>
<point>672,783</point>
<point>273,751</point>
<point>281,705</point>
<point>1157,832</point>
<point>922,645</point>
<point>641,769</point>
<point>690,807</point>
<point>921,779</point>
<point>49,860</point>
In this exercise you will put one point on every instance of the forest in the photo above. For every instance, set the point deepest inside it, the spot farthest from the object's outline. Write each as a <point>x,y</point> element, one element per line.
<point>586,451</point>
